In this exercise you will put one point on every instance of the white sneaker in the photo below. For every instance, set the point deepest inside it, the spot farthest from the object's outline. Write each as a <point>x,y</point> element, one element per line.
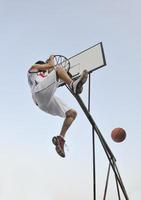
<point>77,86</point>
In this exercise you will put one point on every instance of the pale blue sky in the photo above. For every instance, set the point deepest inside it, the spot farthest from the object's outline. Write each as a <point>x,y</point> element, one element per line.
<point>30,30</point>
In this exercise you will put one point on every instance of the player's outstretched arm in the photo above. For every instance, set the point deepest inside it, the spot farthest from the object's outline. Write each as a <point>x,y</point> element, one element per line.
<point>45,66</point>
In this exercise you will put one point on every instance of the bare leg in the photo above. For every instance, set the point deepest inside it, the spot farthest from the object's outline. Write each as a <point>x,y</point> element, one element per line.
<point>70,117</point>
<point>59,140</point>
<point>77,85</point>
<point>62,74</point>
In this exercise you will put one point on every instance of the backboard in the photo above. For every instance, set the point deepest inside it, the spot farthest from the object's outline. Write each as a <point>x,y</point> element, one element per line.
<point>91,59</point>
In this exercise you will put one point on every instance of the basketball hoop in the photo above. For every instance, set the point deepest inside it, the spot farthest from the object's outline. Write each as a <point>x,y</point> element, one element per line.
<point>62,61</point>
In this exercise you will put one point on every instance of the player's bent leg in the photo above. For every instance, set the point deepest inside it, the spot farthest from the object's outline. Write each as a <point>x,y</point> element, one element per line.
<point>59,141</point>
<point>77,85</point>
<point>70,117</point>
<point>63,75</point>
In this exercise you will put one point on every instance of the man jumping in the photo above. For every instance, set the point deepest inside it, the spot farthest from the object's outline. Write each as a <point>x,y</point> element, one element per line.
<point>43,78</point>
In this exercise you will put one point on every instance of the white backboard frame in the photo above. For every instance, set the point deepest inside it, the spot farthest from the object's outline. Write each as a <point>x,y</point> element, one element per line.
<point>91,59</point>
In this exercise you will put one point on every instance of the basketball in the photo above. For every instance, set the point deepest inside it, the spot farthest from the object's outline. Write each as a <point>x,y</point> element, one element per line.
<point>118,134</point>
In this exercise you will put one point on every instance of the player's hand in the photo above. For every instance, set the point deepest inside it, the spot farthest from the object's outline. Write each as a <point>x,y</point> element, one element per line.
<point>50,62</point>
<point>50,59</point>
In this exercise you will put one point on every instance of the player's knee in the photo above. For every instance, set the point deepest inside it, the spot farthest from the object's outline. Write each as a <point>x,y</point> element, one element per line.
<point>71,113</point>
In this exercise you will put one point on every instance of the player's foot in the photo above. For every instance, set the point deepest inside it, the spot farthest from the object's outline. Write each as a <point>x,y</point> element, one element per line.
<point>59,142</point>
<point>77,85</point>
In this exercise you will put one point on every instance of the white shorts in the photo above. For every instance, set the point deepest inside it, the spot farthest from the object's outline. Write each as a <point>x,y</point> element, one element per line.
<point>45,99</point>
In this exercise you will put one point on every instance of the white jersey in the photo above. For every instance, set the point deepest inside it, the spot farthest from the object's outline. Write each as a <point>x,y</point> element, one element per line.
<point>38,80</point>
<point>43,86</point>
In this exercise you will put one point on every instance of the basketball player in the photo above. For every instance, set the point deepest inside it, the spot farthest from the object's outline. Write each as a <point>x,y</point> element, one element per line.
<point>43,79</point>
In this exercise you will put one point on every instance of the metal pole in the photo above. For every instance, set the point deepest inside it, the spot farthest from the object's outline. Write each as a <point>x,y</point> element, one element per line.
<point>93,140</point>
<point>107,179</point>
<point>108,152</point>
<point>94,165</point>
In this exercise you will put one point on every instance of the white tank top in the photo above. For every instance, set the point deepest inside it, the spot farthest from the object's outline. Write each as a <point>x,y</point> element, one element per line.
<point>34,78</point>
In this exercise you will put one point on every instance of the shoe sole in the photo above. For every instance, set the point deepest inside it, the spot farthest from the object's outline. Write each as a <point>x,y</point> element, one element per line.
<point>55,142</point>
<point>83,79</point>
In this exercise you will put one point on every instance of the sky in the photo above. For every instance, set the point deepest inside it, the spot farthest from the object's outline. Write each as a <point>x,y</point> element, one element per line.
<point>31,30</point>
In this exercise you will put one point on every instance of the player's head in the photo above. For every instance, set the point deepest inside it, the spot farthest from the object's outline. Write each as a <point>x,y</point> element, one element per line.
<point>40,62</point>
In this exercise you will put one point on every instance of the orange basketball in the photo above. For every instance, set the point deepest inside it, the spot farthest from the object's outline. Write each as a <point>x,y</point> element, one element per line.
<point>118,134</point>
